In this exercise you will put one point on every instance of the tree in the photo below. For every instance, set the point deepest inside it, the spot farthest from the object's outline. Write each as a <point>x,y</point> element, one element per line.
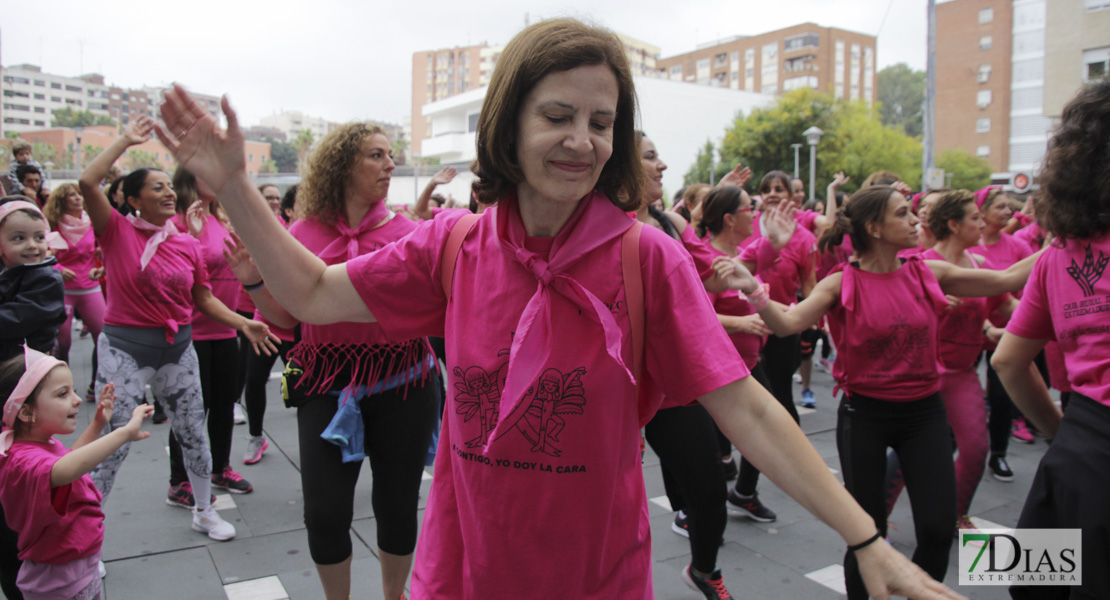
<point>706,159</point>
<point>902,98</point>
<point>303,143</point>
<point>138,159</point>
<point>969,172</point>
<point>44,153</point>
<point>268,166</point>
<point>284,156</point>
<point>854,142</point>
<point>400,147</point>
<point>67,117</point>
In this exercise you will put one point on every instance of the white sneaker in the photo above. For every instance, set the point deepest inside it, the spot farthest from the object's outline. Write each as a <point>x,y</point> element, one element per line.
<point>209,521</point>
<point>240,416</point>
<point>103,571</point>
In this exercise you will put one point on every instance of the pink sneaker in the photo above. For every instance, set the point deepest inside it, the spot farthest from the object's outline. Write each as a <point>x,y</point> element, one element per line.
<point>1021,432</point>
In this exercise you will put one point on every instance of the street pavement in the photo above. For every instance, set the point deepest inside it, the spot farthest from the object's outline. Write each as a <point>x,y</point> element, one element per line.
<point>151,551</point>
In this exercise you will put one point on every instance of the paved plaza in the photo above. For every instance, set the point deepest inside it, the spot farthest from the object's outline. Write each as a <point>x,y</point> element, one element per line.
<point>151,552</point>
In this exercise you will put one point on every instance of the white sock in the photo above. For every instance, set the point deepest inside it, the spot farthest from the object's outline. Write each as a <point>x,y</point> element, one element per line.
<point>202,490</point>
<point>682,514</point>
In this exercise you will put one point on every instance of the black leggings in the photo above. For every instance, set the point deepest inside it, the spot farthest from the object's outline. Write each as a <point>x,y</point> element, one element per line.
<point>683,437</point>
<point>257,373</point>
<point>780,358</point>
<point>809,343</point>
<point>398,429</point>
<point>918,433</point>
<point>9,560</point>
<point>218,365</point>
<point>1000,419</point>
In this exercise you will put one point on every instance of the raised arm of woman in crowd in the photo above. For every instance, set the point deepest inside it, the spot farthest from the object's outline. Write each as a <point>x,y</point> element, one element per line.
<point>782,322</point>
<point>975,283</point>
<point>301,282</point>
<point>96,203</point>
<point>247,273</point>
<point>444,176</point>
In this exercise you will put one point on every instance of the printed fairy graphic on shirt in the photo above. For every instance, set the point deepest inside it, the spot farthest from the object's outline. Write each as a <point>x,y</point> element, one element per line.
<point>540,416</point>
<point>1088,274</point>
<point>905,343</point>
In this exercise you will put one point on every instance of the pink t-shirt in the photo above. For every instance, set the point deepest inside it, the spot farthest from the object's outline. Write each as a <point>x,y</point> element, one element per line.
<point>961,327</point>
<point>838,255</point>
<point>160,295</point>
<point>885,331</point>
<point>807,219</point>
<point>1067,299</point>
<point>700,251</point>
<point>730,303</point>
<point>564,482</point>
<point>795,264</point>
<point>55,525</point>
<point>225,287</point>
<point>1032,235</point>
<point>1005,252</point>
<point>80,259</point>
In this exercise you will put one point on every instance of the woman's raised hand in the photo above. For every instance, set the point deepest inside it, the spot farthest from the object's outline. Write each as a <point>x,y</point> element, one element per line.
<point>240,262</point>
<point>194,218</point>
<point>734,274</point>
<point>139,130</point>
<point>737,176</point>
<point>445,175</point>
<point>215,155</point>
<point>781,224</point>
<point>839,180</point>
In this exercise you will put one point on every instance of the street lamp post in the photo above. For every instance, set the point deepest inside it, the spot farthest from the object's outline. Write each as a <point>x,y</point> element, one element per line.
<point>797,148</point>
<point>813,136</point>
<point>78,131</point>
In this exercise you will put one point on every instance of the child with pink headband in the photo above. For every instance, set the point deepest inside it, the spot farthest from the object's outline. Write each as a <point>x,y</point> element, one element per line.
<point>45,488</point>
<point>32,301</point>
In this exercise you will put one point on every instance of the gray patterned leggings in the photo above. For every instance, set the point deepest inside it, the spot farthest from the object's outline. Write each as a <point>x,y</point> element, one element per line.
<point>131,358</point>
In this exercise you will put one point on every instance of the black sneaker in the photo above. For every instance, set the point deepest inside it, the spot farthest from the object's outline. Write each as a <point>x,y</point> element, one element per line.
<point>159,416</point>
<point>729,468</point>
<point>713,586</point>
<point>1000,468</point>
<point>749,507</point>
<point>681,524</point>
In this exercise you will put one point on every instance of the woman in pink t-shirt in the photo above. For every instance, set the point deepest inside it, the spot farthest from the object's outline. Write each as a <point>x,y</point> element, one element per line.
<point>1067,299</point>
<point>156,277</point>
<point>65,211</point>
<point>884,314</point>
<point>540,454</point>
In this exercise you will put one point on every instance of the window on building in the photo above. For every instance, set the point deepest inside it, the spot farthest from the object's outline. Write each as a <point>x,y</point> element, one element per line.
<point>985,42</point>
<point>472,122</point>
<point>40,123</point>
<point>984,72</point>
<point>40,96</point>
<point>983,151</point>
<point>983,98</point>
<point>1097,4</point>
<point>55,85</point>
<point>15,94</point>
<point>13,79</point>
<point>73,88</point>
<point>55,99</point>
<point>40,109</point>
<point>986,15</point>
<point>983,125</point>
<point>676,70</point>
<point>40,83</point>
<point>720,60</point>
<point>1096,63</point>
<point>796,42</point>
<point>736,56</point>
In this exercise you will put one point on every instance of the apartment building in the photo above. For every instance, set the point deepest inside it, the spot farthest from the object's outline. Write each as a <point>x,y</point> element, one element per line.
<point>30,98</point>
<point>836,61</point>
<point>1005,70</point>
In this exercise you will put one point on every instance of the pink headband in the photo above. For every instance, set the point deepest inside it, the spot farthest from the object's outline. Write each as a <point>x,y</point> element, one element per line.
<point>37,365</point>
<point>981,195</point>
<point>915,201</point>
<point>53,239</point>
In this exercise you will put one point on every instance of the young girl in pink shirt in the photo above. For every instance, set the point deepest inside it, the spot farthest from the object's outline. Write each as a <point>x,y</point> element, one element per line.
<point>1067,299</point>
<point>884,314</point>
<point>47,494</point>
<point>156,277</point>
<point>539,459</point>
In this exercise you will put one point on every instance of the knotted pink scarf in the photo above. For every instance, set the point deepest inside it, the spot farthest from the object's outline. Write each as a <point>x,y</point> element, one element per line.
<point>161,234</point>
<point>347,242</point>
<point>37,365</point>
<point>595,222</point>
<point>73,229</point>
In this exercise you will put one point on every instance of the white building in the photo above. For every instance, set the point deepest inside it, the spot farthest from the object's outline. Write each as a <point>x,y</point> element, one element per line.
<point>31,96</point>
<point>293,122</point>
<point>678,117</point>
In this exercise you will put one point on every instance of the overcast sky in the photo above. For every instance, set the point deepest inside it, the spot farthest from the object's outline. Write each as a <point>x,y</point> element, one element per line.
<point>346,60</point>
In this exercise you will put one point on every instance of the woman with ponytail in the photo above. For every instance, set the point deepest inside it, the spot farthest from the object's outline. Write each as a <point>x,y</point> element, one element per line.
<point>884,313</point>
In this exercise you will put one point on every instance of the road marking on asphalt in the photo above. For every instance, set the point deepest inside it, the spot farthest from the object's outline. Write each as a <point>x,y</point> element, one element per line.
<point>664,502</point>
<point>265,588</point>
<point>425,476</point>
<point>225,502</point>
<point>831,577</point>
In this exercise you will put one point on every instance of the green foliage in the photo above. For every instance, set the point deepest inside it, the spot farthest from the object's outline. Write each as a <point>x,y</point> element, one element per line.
<point>67,117</point>
<point>11,135</point>
<point>901,98</point>
<point>967,171</point>
<point>44,153</point>
<point>854,142</point>
<point>284,156</point>
<point>137,159</point>
<point>268,166</point>
<point>707,159</point>
<point>400,147</point>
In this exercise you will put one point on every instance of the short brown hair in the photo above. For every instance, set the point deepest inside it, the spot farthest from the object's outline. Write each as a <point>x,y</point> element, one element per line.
<point>20,145</point>
<point>323,189</point>
<point>550,47</point>
<point>952,205</point>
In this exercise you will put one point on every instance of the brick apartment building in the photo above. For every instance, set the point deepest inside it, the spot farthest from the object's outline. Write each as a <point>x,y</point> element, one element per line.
<point>827,59</point>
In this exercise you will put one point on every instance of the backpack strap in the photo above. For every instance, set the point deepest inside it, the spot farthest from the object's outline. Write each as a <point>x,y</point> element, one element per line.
<point>634,294</point>
<point>451,249</point>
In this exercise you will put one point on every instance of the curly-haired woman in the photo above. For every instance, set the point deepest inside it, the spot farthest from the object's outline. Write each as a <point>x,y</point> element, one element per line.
<point>1066,300</point>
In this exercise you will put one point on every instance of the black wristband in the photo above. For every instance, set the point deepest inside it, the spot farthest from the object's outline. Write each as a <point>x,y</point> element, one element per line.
<point>254,286</point>
<point>865,543</point>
